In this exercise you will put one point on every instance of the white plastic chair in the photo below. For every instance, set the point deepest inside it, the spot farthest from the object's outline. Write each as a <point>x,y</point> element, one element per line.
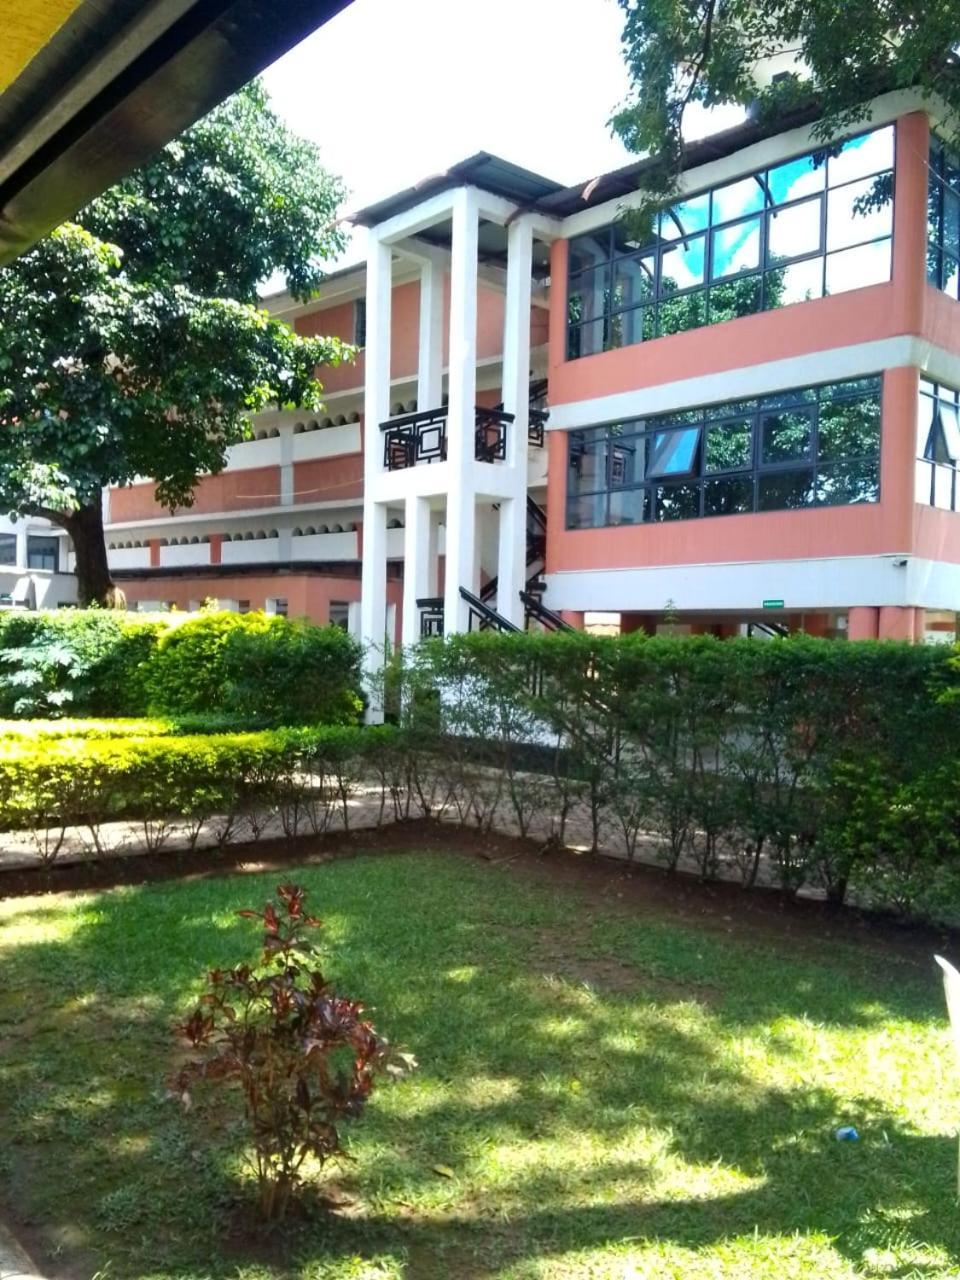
<point>951,986</point>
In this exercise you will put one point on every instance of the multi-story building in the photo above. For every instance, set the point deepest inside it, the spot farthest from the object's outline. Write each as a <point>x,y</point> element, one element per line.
<point>752,406</point>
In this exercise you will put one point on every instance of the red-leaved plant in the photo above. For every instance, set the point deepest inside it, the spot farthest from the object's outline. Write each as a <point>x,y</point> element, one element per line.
<point>303,1056</point>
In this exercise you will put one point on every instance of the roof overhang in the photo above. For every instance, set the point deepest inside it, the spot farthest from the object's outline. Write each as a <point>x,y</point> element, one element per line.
<point>100,85</point>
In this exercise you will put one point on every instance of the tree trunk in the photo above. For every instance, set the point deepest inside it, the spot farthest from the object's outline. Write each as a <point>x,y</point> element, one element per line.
<point>94,584</point>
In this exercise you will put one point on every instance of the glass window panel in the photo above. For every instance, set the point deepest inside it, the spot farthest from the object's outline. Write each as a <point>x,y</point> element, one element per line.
<point>677,502</point>
<point>733,495</point>
<point>633,281</point>
<point>736,199</point>
<point>667,420</point>
<point>786,436</point>
<point>732,409</point>
<point>794,179</point>
<point>798,282</point>
<point>794,396</point>
<point>627,327</point>
<point>795,231</point>
<point>950,168</point>
<point>685,218</point>
<point>729,446</point>
<point>951,221</point>
<point>673,453</point>
<point>926,409</point>
<point>585,340</point>
<point>950,274</point>
<point>785,490</point>
<point>934,225</point>
<point>589,251</point>
<point>852,387</point>
<point>682,265</point>
<point>624,237</point>
<point>677,315</point>
<point>587,471</point>
<point>626,462</point>
<point>943,488</point>
<point>731,299</point>
<point>846,483</point>
<point>629,506</point>
<point>856,268</point>
<point>587,512</point>
<point>587,295</point>
<point>949,431</point>
<point>43,553</point>
<point>8,548</point>
<point>852,215</point>
<point>870,153</point>
<point>736,249</point>
<point>848,429</point>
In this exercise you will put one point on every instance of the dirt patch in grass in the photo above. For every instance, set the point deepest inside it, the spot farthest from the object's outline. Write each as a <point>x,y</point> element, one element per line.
<point>600,884</point>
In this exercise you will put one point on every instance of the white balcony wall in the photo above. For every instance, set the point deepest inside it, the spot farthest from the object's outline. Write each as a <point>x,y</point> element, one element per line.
<point>253,551</point>
<point>195,553</point>
<point>36,588</point>
<point>536,467</point>
<point>395,544</point>
<point>325,546</point>
<point>129,557</point>
<point>328,442</point>
<point>254,453</point>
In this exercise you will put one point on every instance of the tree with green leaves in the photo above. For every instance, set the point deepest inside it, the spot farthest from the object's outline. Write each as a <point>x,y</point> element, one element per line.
<point>131,343</point>
<point>846,53</point>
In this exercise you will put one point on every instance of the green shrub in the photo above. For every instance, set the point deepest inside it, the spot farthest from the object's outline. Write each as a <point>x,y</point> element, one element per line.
<point>187,672</point>
<point>293,672</point>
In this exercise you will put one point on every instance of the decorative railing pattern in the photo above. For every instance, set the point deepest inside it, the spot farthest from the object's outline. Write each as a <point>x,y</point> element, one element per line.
<point>419,438</point>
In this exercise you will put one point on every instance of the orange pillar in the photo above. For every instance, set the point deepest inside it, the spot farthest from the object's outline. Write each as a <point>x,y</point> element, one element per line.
<point>216,541</point>
<point>573,617</point>
<point>154,545</point>
<point>896,623</point>
<point>863,623</point>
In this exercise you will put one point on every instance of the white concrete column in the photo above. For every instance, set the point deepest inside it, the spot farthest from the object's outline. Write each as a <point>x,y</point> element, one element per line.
<point>416,564</point>
<point>461,412</point>
<point>516,339</point>
<point>286,465</point>
<point>512,559</point>
<point>430,366</point>
<point>376,409</point>
<point>21,553</point>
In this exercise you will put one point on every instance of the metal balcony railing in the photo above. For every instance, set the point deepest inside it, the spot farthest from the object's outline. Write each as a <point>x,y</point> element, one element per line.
<point>431,616</point>
<point>420,438</point>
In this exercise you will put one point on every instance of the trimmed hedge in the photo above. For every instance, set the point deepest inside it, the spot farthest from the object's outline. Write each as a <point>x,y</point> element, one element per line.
<point>304,776</point>
<point>247,669</point>
<point>798,762</point>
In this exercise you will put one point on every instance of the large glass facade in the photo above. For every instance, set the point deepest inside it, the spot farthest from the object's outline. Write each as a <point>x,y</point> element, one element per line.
<point>943,219</point>
<point>813,446</point>
<point>819,224</point>
<point>938,446</point>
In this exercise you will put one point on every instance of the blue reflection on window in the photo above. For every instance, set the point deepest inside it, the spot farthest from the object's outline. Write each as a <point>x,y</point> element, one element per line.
<point>672,453</point>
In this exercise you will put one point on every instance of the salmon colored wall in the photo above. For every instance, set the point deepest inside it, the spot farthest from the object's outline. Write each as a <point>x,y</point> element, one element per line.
<point>328,479</point>
<point>862,315</point>
<point>405,332</point>
<point>936,534</point>
<point>885,526</point>
<point>229,491</point>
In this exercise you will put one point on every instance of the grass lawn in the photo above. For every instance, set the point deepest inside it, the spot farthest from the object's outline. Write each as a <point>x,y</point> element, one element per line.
<point>600,1093</point>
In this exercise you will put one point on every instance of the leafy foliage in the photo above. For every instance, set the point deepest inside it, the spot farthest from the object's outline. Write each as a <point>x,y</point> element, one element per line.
<point>304,1057</point>
<point>710,53</point>
<point>130,342</point>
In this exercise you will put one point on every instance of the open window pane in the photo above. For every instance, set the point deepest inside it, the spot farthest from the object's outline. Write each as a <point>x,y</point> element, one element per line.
<point>673,453</point>
<point>786,436</point>
<point>949,432</point>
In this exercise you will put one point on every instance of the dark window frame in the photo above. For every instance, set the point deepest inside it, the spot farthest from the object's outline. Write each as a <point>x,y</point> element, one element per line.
<point>657,245</point>
<point>52,544</point>
<point>936,394</point>
<point>360,322</point>
<point>814,400</point>
<point>8,540</point>
<point>942,161</point>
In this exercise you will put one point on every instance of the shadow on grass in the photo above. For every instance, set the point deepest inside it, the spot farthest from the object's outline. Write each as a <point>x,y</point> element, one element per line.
<point>572,1117</point>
